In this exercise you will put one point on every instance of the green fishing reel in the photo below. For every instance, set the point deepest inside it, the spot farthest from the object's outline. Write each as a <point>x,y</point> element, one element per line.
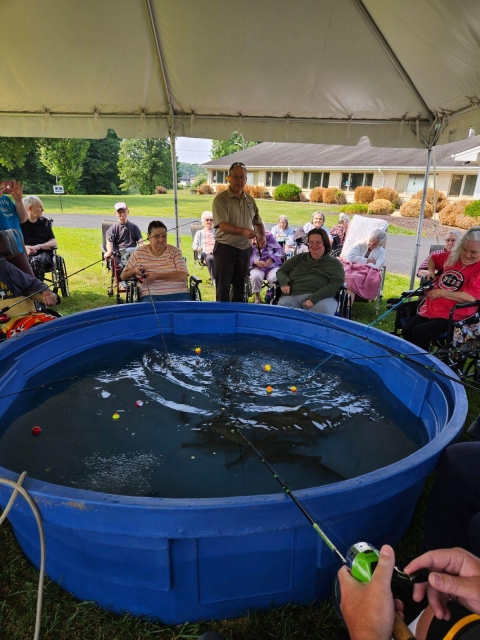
<point>362,559</point>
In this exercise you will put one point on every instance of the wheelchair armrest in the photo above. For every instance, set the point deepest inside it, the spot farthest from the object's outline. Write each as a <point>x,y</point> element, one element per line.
<point>406,294</point>
<point>196,280</point>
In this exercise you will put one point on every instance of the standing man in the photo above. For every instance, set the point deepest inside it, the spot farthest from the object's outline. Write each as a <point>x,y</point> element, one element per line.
<point>123,234</point>
<point>237,222</point>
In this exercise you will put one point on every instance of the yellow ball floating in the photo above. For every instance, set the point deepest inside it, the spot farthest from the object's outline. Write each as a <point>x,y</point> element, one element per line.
<point>267,367</point>
<point>269,389</point>
<point>116,416</point>
<point>293,389</point>
<point>198,350</point>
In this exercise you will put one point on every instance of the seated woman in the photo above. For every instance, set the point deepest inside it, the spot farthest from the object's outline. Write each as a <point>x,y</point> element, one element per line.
<point>159,266</point>
<point>363,264</point>
<point>311,280</point>
<point>38,237</point>
<point>264,264</point>
<point>204,241</point>
<point>317,221</point>
<point>284,234</point>
<point>339,231</point>
<point>458,280</point>
<point>450,239</point>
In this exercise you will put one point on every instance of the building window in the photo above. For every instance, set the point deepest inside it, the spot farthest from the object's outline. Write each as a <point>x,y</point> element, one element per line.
<point>413,182</point>
<point>218,177</point>
<point>275,178</point>
<point>312,179</point>
<point>350,181</point>
<point>462,185</point>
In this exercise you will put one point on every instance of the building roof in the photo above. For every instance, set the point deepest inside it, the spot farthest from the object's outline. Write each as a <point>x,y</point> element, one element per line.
<point>325,156</point>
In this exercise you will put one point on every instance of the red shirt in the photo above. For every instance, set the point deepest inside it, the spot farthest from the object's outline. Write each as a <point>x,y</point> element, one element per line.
<point>456,277</point>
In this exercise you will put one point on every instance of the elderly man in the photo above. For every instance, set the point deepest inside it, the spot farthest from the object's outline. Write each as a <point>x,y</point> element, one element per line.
<point>237,222</point>
<point>122,234</point>
<point>38,236</point>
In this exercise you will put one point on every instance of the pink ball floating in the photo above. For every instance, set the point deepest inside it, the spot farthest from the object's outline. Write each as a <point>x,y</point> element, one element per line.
<point>36,431</point>
<point>139,403</point>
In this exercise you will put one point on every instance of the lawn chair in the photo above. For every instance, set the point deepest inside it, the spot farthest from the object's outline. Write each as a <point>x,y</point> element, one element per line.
<point>360,228</point>
<point>196,252</point>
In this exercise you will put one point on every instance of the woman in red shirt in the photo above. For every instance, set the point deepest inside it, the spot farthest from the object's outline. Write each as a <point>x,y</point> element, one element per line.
<point>457,280</point>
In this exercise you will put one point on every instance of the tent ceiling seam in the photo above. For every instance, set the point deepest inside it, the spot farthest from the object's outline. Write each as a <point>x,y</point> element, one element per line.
<point>389,51</point>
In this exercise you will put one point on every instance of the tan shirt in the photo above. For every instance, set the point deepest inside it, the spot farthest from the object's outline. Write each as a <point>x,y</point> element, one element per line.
<point>241,212</point>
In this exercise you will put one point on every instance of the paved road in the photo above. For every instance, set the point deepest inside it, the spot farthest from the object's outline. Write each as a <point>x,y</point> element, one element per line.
<point>400,249</point>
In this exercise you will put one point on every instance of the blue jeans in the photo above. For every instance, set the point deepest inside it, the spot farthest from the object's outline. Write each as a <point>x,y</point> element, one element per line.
<point>167,297</point>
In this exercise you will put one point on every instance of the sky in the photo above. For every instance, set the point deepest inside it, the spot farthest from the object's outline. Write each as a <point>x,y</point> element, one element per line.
<point>193,150</point>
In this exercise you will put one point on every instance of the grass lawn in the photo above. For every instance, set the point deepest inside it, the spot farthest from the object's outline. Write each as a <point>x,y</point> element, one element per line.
<point>64,618</point>
<point>189,206</point>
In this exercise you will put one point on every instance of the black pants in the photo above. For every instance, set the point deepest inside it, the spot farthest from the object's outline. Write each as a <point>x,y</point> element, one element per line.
<point>452,515</point>
<point>207,259</point>
<point>231,266</point>
<point>422,331</point>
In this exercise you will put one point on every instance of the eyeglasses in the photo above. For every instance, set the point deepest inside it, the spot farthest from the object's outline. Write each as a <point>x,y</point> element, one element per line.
<point>208,219</point>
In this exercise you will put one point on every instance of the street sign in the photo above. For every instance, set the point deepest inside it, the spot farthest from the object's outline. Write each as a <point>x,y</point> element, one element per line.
<point>58,189</point>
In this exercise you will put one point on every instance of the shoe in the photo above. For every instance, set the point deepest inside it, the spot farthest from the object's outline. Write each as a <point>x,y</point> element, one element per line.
<point>122,286</point>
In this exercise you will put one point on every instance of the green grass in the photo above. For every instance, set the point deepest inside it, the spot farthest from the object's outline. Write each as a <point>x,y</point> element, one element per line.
<point>189,206</point>
<point>64,618</point>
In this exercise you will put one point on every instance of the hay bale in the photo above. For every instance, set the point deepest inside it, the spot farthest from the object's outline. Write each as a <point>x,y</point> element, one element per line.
<point>204,189</point>
<point>440,197</point>
<point>411,209</point>
<point>449,213</point>
<point>160,190</point>
<point>465,222</point>
<point>364,195</point>
<point>381,207</point>
<point>221,187</point>
<point>316,194</point>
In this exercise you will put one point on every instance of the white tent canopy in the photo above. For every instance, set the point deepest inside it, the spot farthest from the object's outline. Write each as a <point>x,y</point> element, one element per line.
<point>317,71</point>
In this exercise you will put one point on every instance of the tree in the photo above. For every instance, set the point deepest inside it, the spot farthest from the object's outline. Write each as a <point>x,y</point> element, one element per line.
<point>236,143</point>
<point>14,151</point>
<point>145,164</point>
<point>100,168</point>
<point>63,158</point>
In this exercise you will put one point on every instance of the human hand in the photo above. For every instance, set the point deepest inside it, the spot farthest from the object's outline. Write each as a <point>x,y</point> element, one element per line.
<point>261,264</point>
<point>261,241</point>
<point>308,303</point>
<point>31,251</point>
<point>250,234</point>
<point>433,294</point>
<point>285,288</point>
<point>371,261</point>
<point>368,608</point>
<point>17,191</point>
<point>455,575</point>
<point>49,298</point>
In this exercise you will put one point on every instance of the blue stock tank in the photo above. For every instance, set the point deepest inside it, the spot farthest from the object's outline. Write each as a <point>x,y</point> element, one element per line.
<point>190,559</point>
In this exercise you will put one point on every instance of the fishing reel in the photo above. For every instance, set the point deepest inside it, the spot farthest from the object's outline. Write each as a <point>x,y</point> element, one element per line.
<point>362,559</point>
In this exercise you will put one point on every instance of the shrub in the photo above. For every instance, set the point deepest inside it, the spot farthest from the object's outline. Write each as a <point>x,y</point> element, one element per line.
<point>449,213</point>
<point>256,192</point>
<point>316,195</point>
<point>204,189</point>
<point>221,187</point>
<point>160,190</point>
<point>386,193</point>
<point>381,207</point>
<point>303,197</point>
<point>355,208</point>
<point>465,222</point>
<point>411,209</point>
<point>288,192</point>
<point>332,195</point>
<point>199,180</point>
<point>441,199</point>
<point>364,195</point>
<point>473,209</point>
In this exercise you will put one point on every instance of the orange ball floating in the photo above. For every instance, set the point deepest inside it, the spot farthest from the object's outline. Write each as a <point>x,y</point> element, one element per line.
<point>269,389</point>
<point>293,389</point>
<point>267,367</point>
<point>198,350</point>
<point>36,431</point>
<point>116,416</point>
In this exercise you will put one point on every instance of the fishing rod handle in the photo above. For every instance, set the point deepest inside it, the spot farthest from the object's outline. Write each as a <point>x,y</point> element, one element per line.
<point>400,630</point>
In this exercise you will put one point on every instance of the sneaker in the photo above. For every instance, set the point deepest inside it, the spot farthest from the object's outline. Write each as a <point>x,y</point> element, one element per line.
<point>122,286</point>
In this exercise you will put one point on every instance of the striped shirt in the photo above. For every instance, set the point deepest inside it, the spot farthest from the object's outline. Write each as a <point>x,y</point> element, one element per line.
<point>170,260</point>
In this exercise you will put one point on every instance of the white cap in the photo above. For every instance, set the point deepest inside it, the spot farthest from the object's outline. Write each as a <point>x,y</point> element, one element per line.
<point>120,205</point>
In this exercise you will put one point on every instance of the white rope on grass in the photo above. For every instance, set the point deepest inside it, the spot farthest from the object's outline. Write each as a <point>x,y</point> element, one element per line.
<point>18,489</point>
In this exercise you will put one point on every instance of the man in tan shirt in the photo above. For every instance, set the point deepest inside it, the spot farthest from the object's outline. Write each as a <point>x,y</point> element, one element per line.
<point>236,221</point>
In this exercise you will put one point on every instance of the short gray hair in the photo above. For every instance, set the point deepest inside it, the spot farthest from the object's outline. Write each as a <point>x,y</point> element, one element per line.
<point>342,217</point>
<point>205,214</point>
<point>472,234</point>
<point>315,213</point>
<point>380,236</point>
<point>284,218</point>
<point>29,201</point>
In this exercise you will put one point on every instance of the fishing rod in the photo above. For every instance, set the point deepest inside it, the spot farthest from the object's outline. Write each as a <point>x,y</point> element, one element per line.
<point>361,558</point>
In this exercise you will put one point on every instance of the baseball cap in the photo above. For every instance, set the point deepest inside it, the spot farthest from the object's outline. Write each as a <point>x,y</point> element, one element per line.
<point>120,205</point>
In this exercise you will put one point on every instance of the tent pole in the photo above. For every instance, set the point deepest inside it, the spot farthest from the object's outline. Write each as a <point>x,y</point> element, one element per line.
<point>175,186</point>
<point>420,218</point>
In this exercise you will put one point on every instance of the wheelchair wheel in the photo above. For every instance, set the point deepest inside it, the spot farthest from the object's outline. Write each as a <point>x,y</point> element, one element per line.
<point>248,290</point>
<point>132,293</point>
<point>344,308</point>
<point>60,276</point>
<point>110,292</point>
<point>195,293</point>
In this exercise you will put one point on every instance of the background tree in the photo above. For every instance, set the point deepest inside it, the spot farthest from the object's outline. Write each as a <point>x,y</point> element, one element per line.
<point>63,158</point>
<point>14,151</point>
<point>100,167</point>
<point>235,143</point>
<point>145,164</point>
<point>185,168</point>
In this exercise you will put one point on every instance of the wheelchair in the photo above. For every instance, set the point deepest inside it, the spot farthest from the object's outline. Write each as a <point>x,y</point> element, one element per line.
<point>59,277</point>
<point>132,290</point>
<point>115,264</point>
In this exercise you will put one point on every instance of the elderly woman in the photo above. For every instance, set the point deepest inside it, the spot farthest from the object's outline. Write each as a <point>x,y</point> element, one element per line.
<point>311,280</point>
<point>426,268</point>
<point>317,221</point>
<point>284,234</point>
<point>363,263</point>
<point>339,231</point>
<point>458,280</point>
<point>204,242</point>
<point>264,264</point>
<point>159,266</point>
<point>38,237</point>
